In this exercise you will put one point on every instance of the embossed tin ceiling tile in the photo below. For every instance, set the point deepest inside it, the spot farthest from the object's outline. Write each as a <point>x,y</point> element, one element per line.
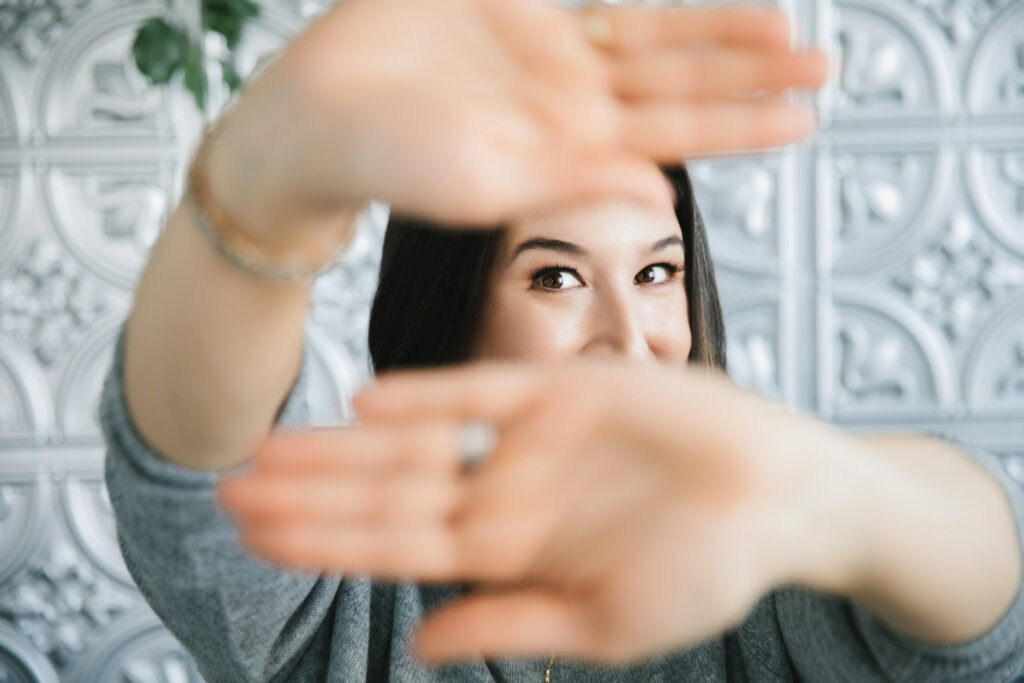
<point>959,277</point>
<point>882,205</point>
<point>20,661</point>
<point>995,77</point>
<point>995,178</point>
<point>739,201</point>
<point>89,518</point>
<point>12,236</point>
<point>25,524</point>
<point>136,647</point>
<point>81,374</point>
<point>89,83</point>
<point>336,376</point>
<point>26,404</point>
<point>994,368</point>
<point>48,303</point>
<point>1015,466</point>
<point>30,27</point>
<point>62,603</point>
<point>8,119</point>
<point>878,356</point>
<point>108,218</point>
<point>753,344</point>
<point>893,63</point>
<point>962,21</point>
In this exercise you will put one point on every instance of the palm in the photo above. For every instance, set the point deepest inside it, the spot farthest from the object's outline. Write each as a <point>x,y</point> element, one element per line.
<point>475,111</point>
<point>461,116</point>
<point>657,596</point>
<point>603,561</point>
<point>640,528</point>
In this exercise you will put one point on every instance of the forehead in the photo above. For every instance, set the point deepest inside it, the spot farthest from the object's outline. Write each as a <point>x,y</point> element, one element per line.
<point>598,226</point>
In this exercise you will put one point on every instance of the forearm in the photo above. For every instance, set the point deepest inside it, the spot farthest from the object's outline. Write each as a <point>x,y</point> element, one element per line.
<point>935,544</point>
<point>211,351</point>
<point>945,562</point>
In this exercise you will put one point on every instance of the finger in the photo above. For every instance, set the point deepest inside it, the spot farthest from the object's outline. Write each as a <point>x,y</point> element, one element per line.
<point>478,549</point>
<point>513,624</point>
<point>543,37</point>
<point>637,28</point>
<point>535,457</point>
<point>322,499</point>
<point>668,132</point>
<point>715,73</point>
<point>425,553</point>
<point>421,446</point>
<point>476,391</point>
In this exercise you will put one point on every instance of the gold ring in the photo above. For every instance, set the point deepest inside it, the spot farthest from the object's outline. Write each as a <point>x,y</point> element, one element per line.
<point>597,27</point>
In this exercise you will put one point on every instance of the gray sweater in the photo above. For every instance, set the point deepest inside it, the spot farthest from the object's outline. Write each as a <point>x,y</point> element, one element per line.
<point>243,619</point>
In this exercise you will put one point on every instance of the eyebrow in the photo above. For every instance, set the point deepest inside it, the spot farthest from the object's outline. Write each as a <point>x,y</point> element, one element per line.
<point>576,250</point>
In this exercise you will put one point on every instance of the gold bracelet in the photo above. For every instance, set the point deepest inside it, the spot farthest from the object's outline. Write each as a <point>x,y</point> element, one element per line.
<point>232,242</point>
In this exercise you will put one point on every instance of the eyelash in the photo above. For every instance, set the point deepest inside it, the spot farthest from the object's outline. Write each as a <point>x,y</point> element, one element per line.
<point>673,269</point>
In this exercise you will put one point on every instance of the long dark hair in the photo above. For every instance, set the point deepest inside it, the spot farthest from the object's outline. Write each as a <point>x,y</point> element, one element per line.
<point>433,282</point>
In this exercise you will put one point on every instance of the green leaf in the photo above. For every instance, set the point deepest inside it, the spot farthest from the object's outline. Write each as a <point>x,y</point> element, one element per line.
<point>231,77</point>
<point>228,17</point>
<point>195,78</point>
<point>246,8</point>
<point>159,49</point>
<point>226,24</point>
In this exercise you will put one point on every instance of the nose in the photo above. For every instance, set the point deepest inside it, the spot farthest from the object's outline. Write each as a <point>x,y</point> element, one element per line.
<point>617,328</point>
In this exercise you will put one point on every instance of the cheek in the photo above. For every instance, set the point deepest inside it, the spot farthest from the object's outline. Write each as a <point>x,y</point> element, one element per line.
<point>518,326</point>
<point>669,327</point>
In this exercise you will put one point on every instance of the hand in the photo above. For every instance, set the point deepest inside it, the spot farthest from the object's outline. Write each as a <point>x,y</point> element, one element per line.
<point>472,112</point>
<point>625,511</point>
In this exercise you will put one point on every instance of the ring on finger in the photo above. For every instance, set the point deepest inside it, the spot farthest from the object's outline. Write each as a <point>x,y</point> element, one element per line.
<point>477,439</point>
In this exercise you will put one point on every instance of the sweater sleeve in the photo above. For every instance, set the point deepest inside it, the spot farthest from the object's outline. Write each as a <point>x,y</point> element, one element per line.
<point>832,638</point>
<point>240,618</point>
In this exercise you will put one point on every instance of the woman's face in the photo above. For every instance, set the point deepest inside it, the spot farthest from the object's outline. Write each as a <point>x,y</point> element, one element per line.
<point>601,278</point>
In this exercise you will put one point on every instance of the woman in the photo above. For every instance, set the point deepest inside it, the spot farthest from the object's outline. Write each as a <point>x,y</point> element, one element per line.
<point>611,525</point>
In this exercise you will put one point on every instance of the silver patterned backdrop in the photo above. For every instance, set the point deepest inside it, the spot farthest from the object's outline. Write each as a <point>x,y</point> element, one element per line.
<point>874,276</point>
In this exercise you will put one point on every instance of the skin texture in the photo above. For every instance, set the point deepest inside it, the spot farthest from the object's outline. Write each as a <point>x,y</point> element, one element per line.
<point>586,281</point>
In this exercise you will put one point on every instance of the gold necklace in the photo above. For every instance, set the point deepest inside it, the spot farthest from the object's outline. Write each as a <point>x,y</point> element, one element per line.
<point>547,672</point>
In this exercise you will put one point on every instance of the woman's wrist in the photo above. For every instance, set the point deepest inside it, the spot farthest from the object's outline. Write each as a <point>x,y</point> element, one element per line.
<point>885,523</point>
<point>249,173</point>
<point>944,560</point>
<point>819,528</point>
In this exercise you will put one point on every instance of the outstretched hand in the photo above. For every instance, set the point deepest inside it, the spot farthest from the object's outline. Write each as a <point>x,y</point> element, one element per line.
<point>473,112</point>
<point>622,513</point>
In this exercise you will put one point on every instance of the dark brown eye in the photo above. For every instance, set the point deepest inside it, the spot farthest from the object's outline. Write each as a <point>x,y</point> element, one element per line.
<point>551,281</point>
<point>556,279</point>
<point>653,275</point>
